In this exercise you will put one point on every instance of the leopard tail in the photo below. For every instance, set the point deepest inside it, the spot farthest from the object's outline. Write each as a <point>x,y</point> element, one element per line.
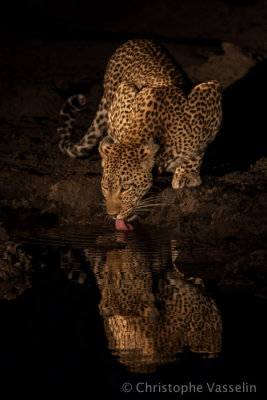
<point>68,113</point>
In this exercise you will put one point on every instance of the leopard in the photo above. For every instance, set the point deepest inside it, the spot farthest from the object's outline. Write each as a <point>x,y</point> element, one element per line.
<point>150,115</point>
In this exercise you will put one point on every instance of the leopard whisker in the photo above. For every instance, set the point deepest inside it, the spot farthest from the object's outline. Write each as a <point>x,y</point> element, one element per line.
<point>151,197</point>
<point>145,201</point>
<point>147,205</point>
<point>142,209</point>
<point>108,219</point>
<point>155,187</point>
<point>139,214</point>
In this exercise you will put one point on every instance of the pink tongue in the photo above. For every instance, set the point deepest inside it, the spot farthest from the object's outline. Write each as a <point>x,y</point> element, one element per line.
<point>121,225</point>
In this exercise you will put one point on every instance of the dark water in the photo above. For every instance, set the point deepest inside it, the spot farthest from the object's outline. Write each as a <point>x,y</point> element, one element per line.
<point>103,309</point>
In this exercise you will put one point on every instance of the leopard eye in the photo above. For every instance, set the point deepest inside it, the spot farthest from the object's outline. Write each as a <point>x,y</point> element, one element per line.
<point>125,187</point>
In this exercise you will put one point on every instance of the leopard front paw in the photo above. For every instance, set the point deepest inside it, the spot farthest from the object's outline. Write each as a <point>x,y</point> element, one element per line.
<point>186,180</point>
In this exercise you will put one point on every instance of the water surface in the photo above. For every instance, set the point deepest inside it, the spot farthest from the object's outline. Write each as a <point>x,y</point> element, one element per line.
<point>105,308</point>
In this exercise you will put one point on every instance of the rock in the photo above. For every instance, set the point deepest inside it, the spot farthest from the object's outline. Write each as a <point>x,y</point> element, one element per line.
<point>247,273</point>
<point>15,270</point>
<point>30,101</point>
<point>227,68</point>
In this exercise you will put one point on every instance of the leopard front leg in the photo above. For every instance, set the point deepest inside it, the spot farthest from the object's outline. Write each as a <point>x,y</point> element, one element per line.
<point>187,174</point>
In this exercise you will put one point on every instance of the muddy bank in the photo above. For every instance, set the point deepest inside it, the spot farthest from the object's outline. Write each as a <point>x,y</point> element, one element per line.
<point>227,205</point>
<point>223,206</point>
<point>15,268</point>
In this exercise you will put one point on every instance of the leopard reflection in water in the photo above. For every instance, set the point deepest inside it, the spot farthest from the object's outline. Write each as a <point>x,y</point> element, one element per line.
<point>151,315</point>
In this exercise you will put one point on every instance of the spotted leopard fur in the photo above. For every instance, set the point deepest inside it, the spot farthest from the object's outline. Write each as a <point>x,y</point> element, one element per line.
<point>148,115</point>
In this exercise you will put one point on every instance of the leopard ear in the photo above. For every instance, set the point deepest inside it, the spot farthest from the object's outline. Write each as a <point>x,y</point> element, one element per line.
<point>105,146</point>
<point>148,152</point>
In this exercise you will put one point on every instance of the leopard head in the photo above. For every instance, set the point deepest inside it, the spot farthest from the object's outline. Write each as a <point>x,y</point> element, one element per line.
<point>127,175</point>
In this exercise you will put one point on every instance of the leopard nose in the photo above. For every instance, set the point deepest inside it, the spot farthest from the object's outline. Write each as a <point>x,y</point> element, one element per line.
<point>113,208</point>
<point>113,215</point>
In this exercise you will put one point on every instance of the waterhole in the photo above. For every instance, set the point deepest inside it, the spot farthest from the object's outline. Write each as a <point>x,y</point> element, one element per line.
<point>90,310</point>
